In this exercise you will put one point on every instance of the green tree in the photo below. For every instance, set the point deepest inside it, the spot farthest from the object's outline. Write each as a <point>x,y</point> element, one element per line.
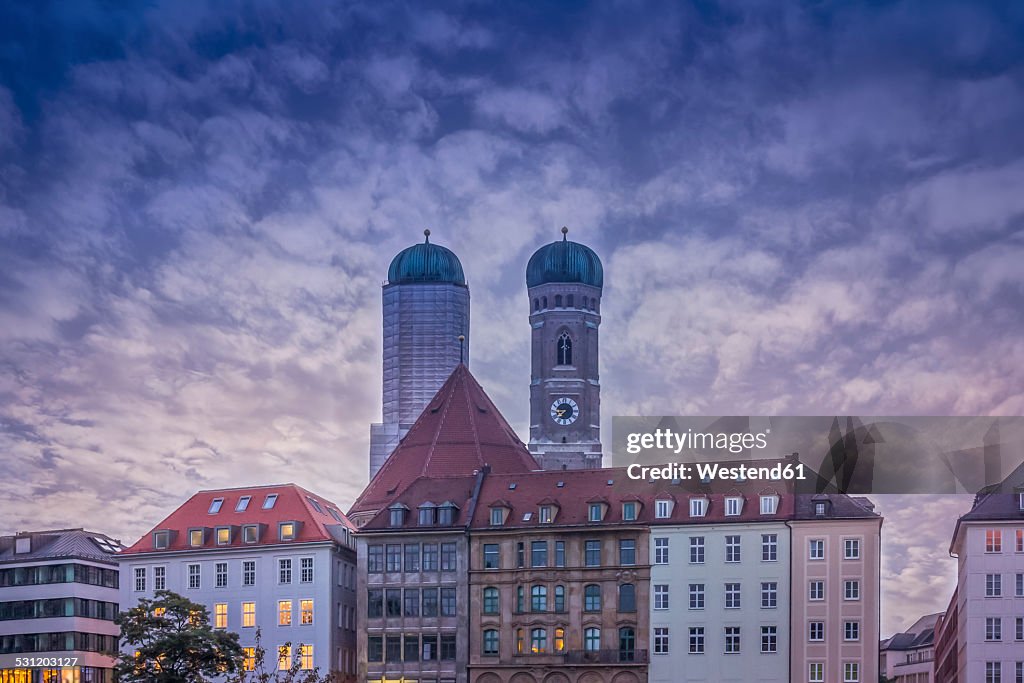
<point>169,640</point>
<point>259,672</point>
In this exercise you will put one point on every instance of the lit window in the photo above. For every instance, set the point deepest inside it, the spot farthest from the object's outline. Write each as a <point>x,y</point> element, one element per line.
<point>220,615</point>
<point>1020,540</point>
<point>662,509</point>
<point>851,672</point>
<point>769,504</point>
<point>993,541</point>
<point>538,640</point>
<point>286,531</point>
<point>249,662</point>
<point>284,657</point>
<point>223,535</point>
<point>284,613</point>
<point>628,512</point>
<point>215,505</point>
<point>733,506</point>
<point>698,506</point>
<point>559,640</point>
<point>268,502</point>
<point>242,504</point>
<point>306,657</point>
<point>305,612</point>
<point>545,514</point>
<point>195,538</point>
<point>248,614</point>
<point>250,533</point>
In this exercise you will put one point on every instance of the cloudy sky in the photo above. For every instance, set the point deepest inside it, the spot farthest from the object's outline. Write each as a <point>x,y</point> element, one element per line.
<point>811,209</point>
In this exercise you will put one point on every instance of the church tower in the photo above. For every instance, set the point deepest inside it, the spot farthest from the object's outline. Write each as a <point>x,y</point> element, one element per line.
<point>426,336</point>
<point>564,281</point>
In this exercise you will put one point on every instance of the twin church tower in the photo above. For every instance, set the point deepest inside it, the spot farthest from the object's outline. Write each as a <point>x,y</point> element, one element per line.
<point>426,335</point>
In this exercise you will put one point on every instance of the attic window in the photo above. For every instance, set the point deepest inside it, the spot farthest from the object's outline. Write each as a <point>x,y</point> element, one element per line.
<point>527,516</point>
<point>426,514</point>
<point>512,486</point>
<point>334,513</point>
<point>161,539</point>
<point>698,507</point>
<point>497,516</point>
<point>195,538</point>
<point>446,514</point>
<point>268,502</point>
<point>23,545</point>
<point>315,504</point>
<point>611,482</point>
<point>396,515</point>
<point>215,506</point>
<point>107,545</point>
<point>243,504</point>
<point>1020,501</point>
<point>250,533</point>
<point>629,511</point>
<point>662,509</point>
<point>595,512</point>
<point>546,516</point>
<point>223,535</point>
<point>286,531</point>
<point>819,509</point>
<point>733,506</point>
<point>769,504</point>
<point>560,484</point>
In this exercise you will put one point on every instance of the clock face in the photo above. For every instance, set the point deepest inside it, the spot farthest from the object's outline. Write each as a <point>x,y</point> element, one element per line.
<point>564,411</point>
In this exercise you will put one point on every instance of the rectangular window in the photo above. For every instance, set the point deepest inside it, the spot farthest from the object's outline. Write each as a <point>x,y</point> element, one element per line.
<point>696,640</point>
<point>698,506</point>
<point>769,504</point>
<point>696,550</point>
<point>428,560</point>
<point>629,512</point>
<point>393,557</point>
<point>1020,586</point>
<point>851,589</point>
<point>497,516</point>
<point>306,657</point>
<point>160,578</point>
<point>306,569</point>
<point>375,559</point>
<point>816,549</point>
<point>993,585</point>
<point>375,648</point>
<point>284,657</point>
<point>595,512</point>
<point>545,515</point>
<point>284,570</point>
<point>140,579</point>
<point>220,615</point>
<point>851,672</point>
<point>592,554</point>
<point>559,553</point>
<point>412,557</point>
<point>286,531</point>
<point>429,648</point>
<point>661,640</point>
<point>851,630</point>
<point>769,594</point>
<point>627,552</point>
<point>448,602</point>
<point>194,576</point>
<point>250,533</point>
<point>448,647</point>
<point>215,505</point>
<point>732,595</point>
<point>449,558</point>
<point>411,647</point>
<point>816,590</point>
<point>392,648</point>
<point>769,547</point>
<point>769,639</point>
<point>733,506</point>
<point>1020,535</point>
<point>993,541</point>
<point>696,596</point>
<point>732,640</point>
<point>248,659</point>
<point>374,603</point>
<point>660,550</point>
<point>520,554</point>
<point>412,602</point>
<point>195,538</point>
<point>732,548</point>
<point>661,596</point>
<point>993,672</point>
<point>490,642</point>
<point>851,549</point>
<point>491,558</point>
<point>223,535</point>
<point>539,554</point>
<point>429,602</point>
<point>1020,665</point>
<point>662,509</point>
<point>305,612</point>
<point>220,574</point>
<point>242,503</point>
<point>248,614</point>
<point>268,502</point>
<point>249,573</point>
<point>993,628</point>
<point>559,598</point>
<point>284,613</point>
<point>393,602</point>
<point>816,672</point>
<point>816,631</point>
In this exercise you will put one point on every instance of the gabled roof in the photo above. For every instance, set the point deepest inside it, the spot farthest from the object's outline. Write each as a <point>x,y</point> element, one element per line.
<point>60,543</point>
<point>458,433</point>
<point>458,490</point>
<point>293,504</point>
<point>994,503</point>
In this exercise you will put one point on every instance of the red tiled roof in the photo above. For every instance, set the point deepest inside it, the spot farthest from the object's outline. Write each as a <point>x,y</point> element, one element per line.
<point>581,487</point>
<point>458,490</point>
<point>458,433</point>
<point>293,504</point>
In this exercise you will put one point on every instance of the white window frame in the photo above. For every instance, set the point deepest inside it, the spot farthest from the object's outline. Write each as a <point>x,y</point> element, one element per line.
<point>851,548</point>
<point>662,509</point>
<point>769,505</point>
<point>661,550</point>
<point>820,583</point>
<point>661,596</point>
<point>698,507</point>
<point>733,506</point>
<point>849,626</point>
<point>815,543</point>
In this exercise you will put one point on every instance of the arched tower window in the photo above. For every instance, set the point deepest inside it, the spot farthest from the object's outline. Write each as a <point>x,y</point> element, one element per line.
<point>544,302</point>
<point>536,304</point>
<point>584,302</point>
<point>564,346</point>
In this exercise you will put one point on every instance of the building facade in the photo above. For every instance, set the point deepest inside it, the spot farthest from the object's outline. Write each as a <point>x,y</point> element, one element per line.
<point>559,580</point>
<point>425,312</point>
<point>58,599</point>
<point>909,657</point>
<point>834,589</point>
<point>277,559</point>
<point>564,283</point>
<point>986,618</point>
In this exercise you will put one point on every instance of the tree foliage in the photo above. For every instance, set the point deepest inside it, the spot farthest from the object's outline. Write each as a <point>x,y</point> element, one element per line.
<point>264,672</point>
<point>169,640</point>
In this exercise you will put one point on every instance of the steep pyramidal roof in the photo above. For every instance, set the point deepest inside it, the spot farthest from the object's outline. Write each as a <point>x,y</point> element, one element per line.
<point>458,433</point>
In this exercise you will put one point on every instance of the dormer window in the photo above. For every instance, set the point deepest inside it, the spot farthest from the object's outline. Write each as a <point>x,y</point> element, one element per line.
<point>820,509</point>
<point>595,512</point>
<point>215,506</point>
<point>497,516</point>
<point>427,513</point>
<point>315,503</point>
<point>286,531</point>
<point>698,507</point>
<point>243,504</point>
<point>769,504</point>
<point>733,506</point>
<point>629,511</point>
<point>1020,501</point>
<point>161,539</point>
<point>250,533</point>
<point>546,514</point>
<point>22,545</point>
<point>446,514</point>
<point>268,502</point>
<point>223,535</point>
<point>195,538</point>
<point>396,515</point>
<point>662,509</point>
